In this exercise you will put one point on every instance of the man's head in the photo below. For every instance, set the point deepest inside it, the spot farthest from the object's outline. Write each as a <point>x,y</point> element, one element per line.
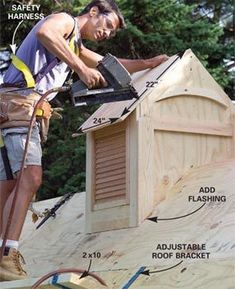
<point>105,19</point>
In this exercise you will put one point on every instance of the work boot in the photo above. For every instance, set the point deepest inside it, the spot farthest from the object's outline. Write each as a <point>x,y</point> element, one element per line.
<point>10,266</point>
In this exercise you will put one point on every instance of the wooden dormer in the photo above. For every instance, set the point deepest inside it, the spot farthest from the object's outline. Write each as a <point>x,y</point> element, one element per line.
<point>182,120</point>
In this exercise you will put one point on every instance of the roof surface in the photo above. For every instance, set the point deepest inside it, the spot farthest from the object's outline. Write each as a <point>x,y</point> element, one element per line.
<point>62,243</point>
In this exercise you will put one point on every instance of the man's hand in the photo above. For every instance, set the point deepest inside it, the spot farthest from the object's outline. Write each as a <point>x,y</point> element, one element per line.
<point>157,60</point>
<point>92,78</point>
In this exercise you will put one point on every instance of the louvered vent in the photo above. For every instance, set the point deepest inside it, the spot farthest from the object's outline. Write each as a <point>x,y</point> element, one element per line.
<point>110,166</point>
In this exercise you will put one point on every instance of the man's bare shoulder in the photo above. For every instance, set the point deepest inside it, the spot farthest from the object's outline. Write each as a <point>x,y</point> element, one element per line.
<point>62,22</point>
<point>63,16</point>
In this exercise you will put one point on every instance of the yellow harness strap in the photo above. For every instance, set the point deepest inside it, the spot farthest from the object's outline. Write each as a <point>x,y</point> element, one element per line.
<point>21,66</point>
<point>73,46</point>
<point>1,140</point>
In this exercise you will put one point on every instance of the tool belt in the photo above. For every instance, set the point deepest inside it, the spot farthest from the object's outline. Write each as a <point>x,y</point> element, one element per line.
<point>16,110</point>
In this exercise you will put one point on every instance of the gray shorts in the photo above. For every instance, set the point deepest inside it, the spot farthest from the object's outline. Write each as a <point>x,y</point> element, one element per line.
<point>14,140</point>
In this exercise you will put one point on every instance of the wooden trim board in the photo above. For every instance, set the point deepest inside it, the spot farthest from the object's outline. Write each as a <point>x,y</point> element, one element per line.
<point>233,121</point>
<point>175,91</point>
<point>192,126</point>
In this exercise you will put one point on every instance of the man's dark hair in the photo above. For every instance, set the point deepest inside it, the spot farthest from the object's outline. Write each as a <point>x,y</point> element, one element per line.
<point>106,7</point>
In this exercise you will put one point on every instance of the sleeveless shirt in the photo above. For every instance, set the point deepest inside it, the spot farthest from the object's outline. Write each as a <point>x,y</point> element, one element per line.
<point>38,58</point>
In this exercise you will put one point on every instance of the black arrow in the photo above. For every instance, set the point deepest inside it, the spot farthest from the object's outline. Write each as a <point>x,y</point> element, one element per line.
<point>156,219</point>
<point>179,56</point>
<point>143,92</point>
<point>13,45</point>
<point>159,76</point>
<point>148,272</point>
<point>86,273</point>
<point>125,111</point>
<point>80,130</point>
<point>84,130</point>
<point>78,133</point>
<point>181,53</point>
<point>113,119</point>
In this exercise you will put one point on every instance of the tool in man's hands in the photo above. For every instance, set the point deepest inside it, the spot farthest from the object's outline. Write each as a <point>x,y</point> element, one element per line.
<point>119,85</point>
<point>52,212</point>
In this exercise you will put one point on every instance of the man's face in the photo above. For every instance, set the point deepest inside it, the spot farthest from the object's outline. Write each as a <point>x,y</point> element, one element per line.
<point>102,26</point>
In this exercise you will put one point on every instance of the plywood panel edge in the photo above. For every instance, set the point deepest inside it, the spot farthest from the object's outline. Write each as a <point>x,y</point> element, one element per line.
<point>233,123</point>
<point>192,126</point>
<point>132,159</point>
<point>110,219</point>
<point>146,190</point>
<point>90,175</point>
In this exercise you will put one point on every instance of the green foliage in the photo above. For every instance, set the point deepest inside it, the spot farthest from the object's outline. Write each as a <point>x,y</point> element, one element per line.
<point>63,155</point>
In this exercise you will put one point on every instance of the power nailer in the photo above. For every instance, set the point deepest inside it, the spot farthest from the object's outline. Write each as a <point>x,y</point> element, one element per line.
<point>119,85</point>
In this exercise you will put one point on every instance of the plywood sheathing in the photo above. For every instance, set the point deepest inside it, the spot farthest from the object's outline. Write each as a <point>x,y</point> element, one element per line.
<point>60,243</point>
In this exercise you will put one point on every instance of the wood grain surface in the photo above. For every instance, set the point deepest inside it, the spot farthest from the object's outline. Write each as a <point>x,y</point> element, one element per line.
<point>60,243</point>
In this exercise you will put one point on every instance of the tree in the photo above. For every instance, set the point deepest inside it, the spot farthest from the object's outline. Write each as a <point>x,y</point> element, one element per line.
<point>222,61</point>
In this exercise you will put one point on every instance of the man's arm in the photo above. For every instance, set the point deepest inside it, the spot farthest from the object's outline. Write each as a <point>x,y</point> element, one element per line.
<point>132,65</point>
<point>89,57</point>
<point>52,34</point>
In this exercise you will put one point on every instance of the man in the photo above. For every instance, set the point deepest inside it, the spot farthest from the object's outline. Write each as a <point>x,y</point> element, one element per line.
<point>48,53</point>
